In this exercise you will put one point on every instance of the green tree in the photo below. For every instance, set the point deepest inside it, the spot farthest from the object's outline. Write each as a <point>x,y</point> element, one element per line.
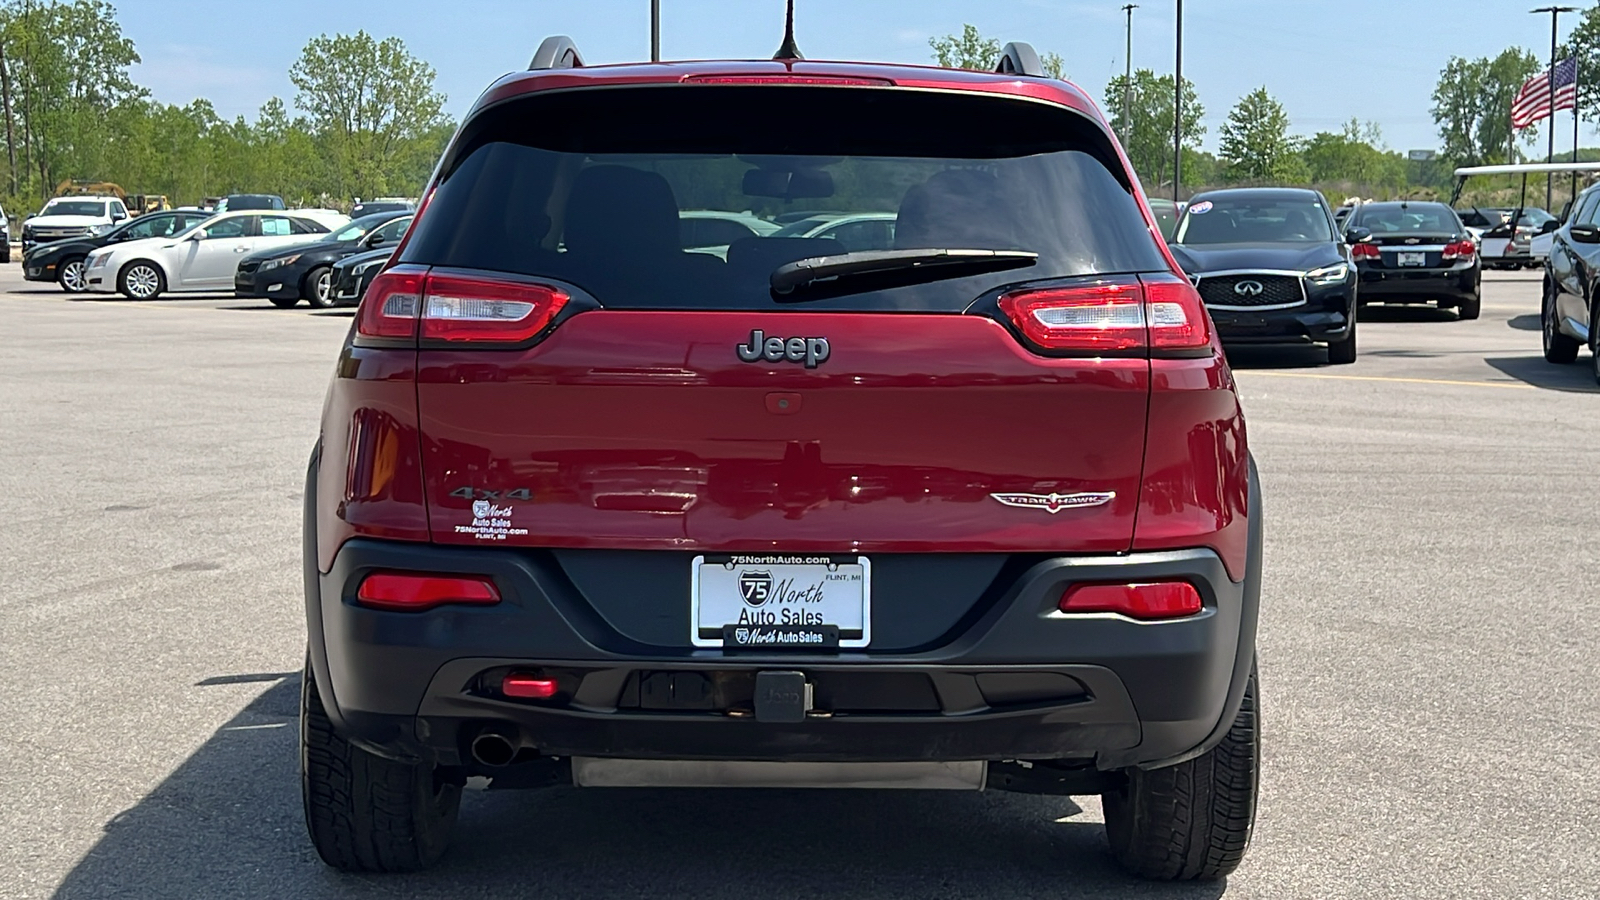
<point>1353,155</point>
<point>1256,142</point>
<point>1148,138</point>
<point>969,50</point>
<point>373,107</point>
<point>1472,105</point>
<point>1584,42</point>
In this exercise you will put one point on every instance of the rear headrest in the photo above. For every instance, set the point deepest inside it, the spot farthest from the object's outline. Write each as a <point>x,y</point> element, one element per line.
<point>620,209</point>
<point>955,208</point>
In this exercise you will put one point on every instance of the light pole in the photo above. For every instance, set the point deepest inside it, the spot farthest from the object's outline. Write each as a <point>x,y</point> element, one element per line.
<point>1127,81</point>
<point>655,30</point>
<point>1177,113</point>
<point>1550,157</point>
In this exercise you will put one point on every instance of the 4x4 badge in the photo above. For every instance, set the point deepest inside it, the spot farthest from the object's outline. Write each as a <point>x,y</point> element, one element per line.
<point>810,351</point>
<point>1054,503</point>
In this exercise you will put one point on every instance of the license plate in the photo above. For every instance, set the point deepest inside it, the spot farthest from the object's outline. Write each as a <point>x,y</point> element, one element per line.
<point>780,601</point>
<point>1413,259</point>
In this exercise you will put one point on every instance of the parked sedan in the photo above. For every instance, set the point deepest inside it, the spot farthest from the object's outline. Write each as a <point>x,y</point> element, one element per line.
<point>62,261</point>
<point>1271,268</point>
<point>1410,252</point>
<point>1570,316</point>
<point>202,259</point>
<point>855,232</point>
<point>353,274</point>
<point>284,275</point>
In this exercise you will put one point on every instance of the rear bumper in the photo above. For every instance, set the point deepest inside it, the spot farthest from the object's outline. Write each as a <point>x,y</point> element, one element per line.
<point>1454,283</point>
<point>1019,681</point>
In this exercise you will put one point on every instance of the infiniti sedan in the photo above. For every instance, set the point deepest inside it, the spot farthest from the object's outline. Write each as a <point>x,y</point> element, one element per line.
<point>1271,268</point>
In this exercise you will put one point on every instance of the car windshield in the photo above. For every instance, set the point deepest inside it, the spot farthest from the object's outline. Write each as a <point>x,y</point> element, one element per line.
<point>358,227</point>
<point>595,203</point>
<point>95,208</point>
<point>1403,218</point>
<point>1253,220</point>
<point>1534,217</point>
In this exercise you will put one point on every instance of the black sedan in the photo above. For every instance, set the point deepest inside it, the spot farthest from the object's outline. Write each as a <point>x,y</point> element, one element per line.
<point>1415,252</point>
<point>62,261</point>
<point>353,274</point>
<point>1271,268</point>
<point>283,275</point>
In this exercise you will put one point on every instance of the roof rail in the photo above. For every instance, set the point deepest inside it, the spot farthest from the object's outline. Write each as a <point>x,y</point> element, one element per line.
<point>1019,58</point>
<point>556,52</point>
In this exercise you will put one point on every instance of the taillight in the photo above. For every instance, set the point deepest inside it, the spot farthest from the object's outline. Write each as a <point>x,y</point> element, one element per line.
<point>1460,250</point>
<point>392,302</point>
<point>1161,312</point>
<point>1365,251</point>
<point>408,301</point>
<point>1154,600</point>
<point>413,592</point>
<point>476,309</point>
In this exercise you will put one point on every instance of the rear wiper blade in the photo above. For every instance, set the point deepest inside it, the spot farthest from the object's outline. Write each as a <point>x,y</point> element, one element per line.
<point>888,268</point>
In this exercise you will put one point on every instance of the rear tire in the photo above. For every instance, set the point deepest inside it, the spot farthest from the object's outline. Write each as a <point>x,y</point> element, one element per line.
<point>1558,348</point>
<point>1191,821</point>
<point>366,813</point>
<point>72,276</point>
<point>1343,353</point>
<point>318,287</point>
<point>1469,308</point>
<point>141,280</point>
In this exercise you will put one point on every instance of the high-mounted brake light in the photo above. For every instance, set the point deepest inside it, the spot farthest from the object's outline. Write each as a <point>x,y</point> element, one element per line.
<point>823,80</point>
<point>1156,600</point>
<point>1161,312</point>
<point>406,301</point>
<point>1365,251</point>
<point>413,592</point>
<point>1459,250</point>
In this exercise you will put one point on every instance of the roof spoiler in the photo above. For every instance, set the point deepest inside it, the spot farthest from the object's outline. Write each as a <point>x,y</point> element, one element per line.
<point>556,52</point>
<point>1019,58</point>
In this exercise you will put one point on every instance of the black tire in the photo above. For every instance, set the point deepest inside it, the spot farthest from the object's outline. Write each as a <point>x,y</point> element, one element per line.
<point>317,287</point>
<point>288,302</point>
<point>72,276</point>
<point>1594,339</point>
<point>141,280</point>
<point>1191,821</point>
<point>1469,308</point>
<point>1559,348</point>
<point>366,813</point>
<point>1343,353</point>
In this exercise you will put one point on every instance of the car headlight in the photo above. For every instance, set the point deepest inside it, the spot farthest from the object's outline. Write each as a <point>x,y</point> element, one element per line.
<point>1329,274</point>
<point>364,267</point>
<point>97,260</point>
<point>278,263</point>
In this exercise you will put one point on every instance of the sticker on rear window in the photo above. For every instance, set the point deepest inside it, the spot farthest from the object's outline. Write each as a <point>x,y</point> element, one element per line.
<point>1201,208</point>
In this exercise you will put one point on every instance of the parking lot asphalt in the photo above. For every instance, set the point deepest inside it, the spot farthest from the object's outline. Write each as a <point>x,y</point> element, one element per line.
<point>1427,642</point>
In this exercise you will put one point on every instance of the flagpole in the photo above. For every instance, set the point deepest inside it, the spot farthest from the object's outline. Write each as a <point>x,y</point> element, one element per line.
<point>1577,70</point>
<point>1555,19</point>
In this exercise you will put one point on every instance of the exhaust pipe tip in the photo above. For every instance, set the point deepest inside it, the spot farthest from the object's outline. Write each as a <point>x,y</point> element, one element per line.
<point>493,748</point>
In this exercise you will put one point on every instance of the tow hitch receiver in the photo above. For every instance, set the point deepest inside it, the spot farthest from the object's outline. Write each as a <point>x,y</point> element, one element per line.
<point>782,697</point>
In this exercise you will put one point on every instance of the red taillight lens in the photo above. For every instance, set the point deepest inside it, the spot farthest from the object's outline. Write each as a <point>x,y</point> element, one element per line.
<point>478,309</point>
<point>392,303</point>
<point>1163,312</point>
<point>1157,600</point>
<point>1101,317</point>
<point>1365,251</point>
<point>1178,318</point>
<point>412,592</point>
<point>530,687</point>
<point>1460,250</point>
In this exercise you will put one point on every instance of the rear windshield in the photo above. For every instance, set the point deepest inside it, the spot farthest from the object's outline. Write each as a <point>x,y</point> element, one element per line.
<point>1419,218</point>
<point>590,187</point>
<point>1253,220</point>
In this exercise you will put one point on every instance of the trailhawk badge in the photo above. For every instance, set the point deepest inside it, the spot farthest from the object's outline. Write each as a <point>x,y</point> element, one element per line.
<point>1054,503</point>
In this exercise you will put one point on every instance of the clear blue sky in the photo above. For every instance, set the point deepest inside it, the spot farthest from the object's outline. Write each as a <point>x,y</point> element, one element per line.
<point>1373,59</point>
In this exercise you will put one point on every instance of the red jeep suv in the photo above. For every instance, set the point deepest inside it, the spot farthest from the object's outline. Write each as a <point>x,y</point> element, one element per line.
<point>959,499</point>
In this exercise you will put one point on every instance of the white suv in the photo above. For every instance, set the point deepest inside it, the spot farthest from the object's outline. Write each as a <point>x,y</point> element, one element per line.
<point>70,217</point>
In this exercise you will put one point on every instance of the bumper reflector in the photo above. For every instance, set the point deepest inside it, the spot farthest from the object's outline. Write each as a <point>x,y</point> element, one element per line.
<point>532,687</point>
<point>1156,600</point>
<point>409,591</point>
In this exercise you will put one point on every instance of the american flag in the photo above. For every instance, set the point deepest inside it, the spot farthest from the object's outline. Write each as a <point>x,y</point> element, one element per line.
<point>1533,101</point>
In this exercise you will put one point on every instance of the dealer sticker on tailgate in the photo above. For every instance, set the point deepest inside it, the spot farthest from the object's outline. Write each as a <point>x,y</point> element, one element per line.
<point>780,601</point>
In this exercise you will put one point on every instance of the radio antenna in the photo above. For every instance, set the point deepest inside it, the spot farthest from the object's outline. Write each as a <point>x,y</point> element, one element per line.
<point>789,50</point>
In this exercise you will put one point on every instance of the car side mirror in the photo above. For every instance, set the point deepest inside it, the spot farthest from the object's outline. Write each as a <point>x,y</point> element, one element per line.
<point>1585,234</point>
<point>376,241</point>
<point>1357,234</point>
<point>1549,226</point>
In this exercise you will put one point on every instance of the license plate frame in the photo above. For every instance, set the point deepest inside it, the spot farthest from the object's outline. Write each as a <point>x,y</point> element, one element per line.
<point>797,611</point>
<point>1411,259</point>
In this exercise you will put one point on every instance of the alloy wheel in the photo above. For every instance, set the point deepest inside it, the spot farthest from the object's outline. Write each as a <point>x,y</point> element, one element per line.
<point>1547,319</point>
<point>142,282</point>
<point>73,279</point>
<point>324,287</point>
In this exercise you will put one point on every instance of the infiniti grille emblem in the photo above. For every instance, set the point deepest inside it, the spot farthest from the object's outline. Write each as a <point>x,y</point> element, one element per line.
<point>1248,288</point>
